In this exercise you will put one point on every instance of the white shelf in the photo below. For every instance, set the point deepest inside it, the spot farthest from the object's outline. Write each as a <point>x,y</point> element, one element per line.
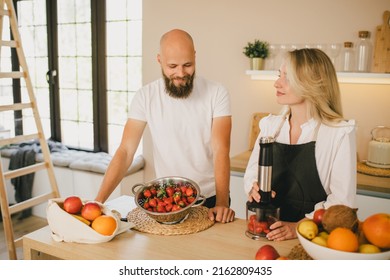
<point>343,77</point>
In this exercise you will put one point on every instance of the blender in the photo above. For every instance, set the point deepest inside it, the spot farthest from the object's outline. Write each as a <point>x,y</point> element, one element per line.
<point>260,215</point>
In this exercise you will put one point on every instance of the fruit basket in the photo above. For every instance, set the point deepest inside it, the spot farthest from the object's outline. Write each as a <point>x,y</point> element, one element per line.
<point>319,252</point>
<point>66,227</point>
<point>159,198</point>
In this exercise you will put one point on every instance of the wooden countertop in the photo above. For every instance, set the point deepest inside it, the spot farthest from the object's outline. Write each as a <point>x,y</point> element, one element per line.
<point>366,184</point>
<point>219,242</point>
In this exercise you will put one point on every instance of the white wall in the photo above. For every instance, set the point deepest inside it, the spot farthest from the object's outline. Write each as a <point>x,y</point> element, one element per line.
<point>221,28</point>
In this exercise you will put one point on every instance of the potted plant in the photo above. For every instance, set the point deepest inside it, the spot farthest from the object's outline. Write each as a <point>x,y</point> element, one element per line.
<point>257,51</point>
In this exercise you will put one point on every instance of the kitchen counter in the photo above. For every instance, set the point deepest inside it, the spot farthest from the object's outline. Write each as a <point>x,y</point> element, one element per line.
<point>221,241</point>
<point>366,184</point>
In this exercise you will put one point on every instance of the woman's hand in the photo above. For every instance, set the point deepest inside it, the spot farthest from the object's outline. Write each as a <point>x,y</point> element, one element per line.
<point>255,195</point>
<point>282,231</point>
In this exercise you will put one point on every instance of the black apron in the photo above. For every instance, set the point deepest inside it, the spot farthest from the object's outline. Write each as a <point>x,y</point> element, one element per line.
<point>295,179</point>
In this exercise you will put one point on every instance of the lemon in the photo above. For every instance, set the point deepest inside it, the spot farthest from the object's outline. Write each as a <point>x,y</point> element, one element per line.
<point>308,229</point>
<point>324,235</point>
<point>320,241</point>
<point>369,249</point>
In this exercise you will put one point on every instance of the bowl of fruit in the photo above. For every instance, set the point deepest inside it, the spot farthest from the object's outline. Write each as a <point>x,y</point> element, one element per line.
<point>168,200</point>
<point>337,234</point>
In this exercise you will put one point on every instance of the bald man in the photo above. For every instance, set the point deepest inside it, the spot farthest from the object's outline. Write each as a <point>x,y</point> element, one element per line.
<point>190,123</point>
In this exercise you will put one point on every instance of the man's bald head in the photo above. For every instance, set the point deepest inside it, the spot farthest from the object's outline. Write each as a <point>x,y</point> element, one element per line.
<point>176,37</point>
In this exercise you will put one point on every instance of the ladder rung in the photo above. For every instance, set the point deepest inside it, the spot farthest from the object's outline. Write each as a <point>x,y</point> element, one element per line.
<point>13,75</point>
<point>25,170</point>
<point>4,12</point>
<point>15,107</point>
<point>20,206</point>
<point>18,139</point>
<point>12,44</point>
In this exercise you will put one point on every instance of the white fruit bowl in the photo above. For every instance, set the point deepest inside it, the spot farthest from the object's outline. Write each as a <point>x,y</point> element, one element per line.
<point>318,252</point>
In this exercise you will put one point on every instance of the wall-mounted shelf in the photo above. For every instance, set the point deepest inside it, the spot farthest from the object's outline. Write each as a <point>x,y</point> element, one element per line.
<point>343,77</point>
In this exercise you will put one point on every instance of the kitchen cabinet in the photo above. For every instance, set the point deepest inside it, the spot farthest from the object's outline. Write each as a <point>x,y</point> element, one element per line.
<point>343,77</point>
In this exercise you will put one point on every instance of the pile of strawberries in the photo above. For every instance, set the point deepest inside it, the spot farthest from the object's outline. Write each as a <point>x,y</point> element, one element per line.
<point>167,198</point>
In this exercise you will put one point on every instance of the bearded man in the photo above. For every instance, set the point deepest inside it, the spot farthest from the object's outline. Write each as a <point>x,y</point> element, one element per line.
<point>189,119</point>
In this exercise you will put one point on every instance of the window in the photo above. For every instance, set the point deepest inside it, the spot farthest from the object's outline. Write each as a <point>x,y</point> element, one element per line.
<point>85,60</point>
<point>124,63</point>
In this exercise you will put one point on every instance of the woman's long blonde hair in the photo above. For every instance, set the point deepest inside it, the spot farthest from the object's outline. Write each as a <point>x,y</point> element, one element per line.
<point>312,76</point>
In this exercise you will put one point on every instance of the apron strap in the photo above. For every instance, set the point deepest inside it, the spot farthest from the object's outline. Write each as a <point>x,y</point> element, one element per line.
<point>284,116</point>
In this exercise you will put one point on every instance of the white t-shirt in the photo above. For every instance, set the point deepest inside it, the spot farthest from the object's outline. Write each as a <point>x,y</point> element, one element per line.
<point>181,129</point>
<point>335,154</point>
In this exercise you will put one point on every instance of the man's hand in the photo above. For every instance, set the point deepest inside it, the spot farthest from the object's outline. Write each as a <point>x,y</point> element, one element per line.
<point>221,214</point>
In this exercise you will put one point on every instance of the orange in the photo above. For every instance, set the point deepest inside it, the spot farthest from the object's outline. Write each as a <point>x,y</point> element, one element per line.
<point>104,224</point>
<point>343,239</point>
<point>376,229</point>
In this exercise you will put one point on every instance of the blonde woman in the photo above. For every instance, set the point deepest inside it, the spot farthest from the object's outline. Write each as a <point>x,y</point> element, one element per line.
<point>314,154</point>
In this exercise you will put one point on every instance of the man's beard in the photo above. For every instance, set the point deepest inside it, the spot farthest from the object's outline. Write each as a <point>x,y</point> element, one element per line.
<point>181,91</point>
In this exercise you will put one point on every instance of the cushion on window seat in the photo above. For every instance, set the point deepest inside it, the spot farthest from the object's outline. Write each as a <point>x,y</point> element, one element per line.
<point>98,162</point>
<point>80,160</point>
<point>63,158</point>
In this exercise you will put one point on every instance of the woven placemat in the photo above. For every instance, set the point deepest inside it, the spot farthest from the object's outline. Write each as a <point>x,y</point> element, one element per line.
<point>196,221</point>
<point>362,167</point>
<point>298,253</point>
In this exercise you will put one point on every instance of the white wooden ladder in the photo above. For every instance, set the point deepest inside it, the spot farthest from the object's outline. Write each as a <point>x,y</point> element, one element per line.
<point>7,9</point>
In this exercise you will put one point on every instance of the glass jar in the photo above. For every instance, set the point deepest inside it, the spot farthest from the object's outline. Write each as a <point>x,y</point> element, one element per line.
<point>363,52</point>
<point>347,58</point>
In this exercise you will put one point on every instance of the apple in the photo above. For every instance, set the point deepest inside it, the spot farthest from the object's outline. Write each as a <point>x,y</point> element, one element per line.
<point>318,215</point>
<point>91,211</point>
<point>73,204</point>
<point>267,252</point>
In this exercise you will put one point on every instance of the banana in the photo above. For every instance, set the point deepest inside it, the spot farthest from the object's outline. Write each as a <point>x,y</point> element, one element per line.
<point>85,221</point>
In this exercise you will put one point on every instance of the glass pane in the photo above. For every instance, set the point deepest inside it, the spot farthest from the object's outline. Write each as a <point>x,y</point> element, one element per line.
<point>75,73</point>
<point>124,64</point>
<point>40,41</point>
<point>116,38</point>
<point>85,130</point>
<point>134,46</point>
<point>117,107</point>
<point>69,104</point>
<point>68,138</point>
<point>134,10</point>
<point>66,40</point>
<point>115,132</point>
<point>40,69</point>
<point>27,36</point>
<point>33,32</point>
<point>117,11</point>
<point>83,39</point>
<point>116,71</point>
<point>67,72</point>
<point>83,10</point>
<point>134,72</point>
<point>84,104</point>
<point>66,11</point>
<point>84,73</point>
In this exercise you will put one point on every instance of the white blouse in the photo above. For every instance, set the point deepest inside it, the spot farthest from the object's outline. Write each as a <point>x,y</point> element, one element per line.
<point>335,154</point>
